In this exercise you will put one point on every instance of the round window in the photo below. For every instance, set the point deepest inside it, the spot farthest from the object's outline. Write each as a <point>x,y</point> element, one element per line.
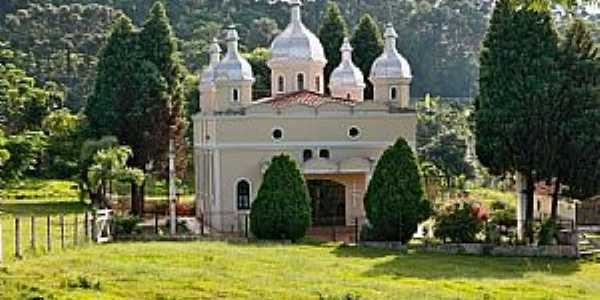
<point>354,132</point>
<point>277,134</point>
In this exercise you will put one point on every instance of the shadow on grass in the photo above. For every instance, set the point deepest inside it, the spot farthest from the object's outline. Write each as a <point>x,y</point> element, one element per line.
<point>445,266</point>
<point>40,208</point>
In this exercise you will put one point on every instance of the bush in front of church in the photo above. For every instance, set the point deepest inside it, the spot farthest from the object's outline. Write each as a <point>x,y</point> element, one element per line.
<point>395,201</point>
<point>282,207</point>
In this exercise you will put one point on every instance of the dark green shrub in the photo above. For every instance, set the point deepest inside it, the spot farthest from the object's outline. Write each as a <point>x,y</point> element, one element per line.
<point>458,224</point>
<point>548,234</point>
<point>395,202</point>
<point>282,207</point>
<point>126,225</point>
<point>505,217</point>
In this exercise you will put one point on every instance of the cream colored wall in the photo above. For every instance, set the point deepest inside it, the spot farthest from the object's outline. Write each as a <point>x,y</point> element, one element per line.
<point>290,72</point>
<point>223,95</point>
<point>378,128</point>
<point>381,90</point>
<point>343,92</point>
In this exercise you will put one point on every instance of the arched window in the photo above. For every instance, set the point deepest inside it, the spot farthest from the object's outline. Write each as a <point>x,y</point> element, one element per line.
<point>324,153</point>
<point>280,84</point>
<point>348,96</point>
<point>318,84</point>
<point>300,81</point>
<point>393,93</point>
<point>243,194</point>
<point>307,155</point>
<point>235,95</point>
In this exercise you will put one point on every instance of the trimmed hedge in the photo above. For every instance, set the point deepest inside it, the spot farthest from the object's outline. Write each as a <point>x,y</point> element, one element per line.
<point>282,207</point>
<point>395,201</point>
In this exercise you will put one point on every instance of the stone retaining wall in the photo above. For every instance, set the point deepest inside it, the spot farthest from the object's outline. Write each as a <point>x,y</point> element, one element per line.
<point>503,250</point>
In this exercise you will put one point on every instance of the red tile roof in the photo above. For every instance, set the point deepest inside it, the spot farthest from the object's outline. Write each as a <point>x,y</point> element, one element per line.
<point>303,97</point>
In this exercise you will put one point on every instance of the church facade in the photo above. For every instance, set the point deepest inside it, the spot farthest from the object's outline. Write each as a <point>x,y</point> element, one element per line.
<point>336,139</point>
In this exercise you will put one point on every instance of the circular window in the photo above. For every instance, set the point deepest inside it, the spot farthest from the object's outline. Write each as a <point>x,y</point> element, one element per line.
<point>277,134</point>
<point>354,132</point>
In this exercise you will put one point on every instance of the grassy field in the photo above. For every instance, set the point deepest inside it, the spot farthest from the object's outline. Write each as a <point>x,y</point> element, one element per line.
<point>218,270</point>
<point>40,189</point>
<point>40,209</point>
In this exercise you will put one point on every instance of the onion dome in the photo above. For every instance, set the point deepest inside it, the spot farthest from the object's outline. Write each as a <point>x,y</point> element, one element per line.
<point>390,64</point>
<point>208,74</point>
<point>347,74</point>
<point>233,66</point>
<point>296,42</point>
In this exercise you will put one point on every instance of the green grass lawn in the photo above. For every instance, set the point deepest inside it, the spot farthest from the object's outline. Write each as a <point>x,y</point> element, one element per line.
<point>218,270</point>
<point>40,189</point>
<point>488,196</point>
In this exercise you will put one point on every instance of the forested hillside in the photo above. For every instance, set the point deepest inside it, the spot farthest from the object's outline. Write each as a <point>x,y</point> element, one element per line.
<point>58,40</point>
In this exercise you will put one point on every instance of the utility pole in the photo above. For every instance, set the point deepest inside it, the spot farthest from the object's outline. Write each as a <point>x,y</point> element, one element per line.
<point>172,187</point>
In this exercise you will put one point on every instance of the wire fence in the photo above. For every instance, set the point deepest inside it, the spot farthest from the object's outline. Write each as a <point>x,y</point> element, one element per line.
<point>29,236</point>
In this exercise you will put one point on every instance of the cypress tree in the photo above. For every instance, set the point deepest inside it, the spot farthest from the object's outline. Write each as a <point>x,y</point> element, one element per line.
<point>367,42</point>
<point>113,82</point>
<point>577,115</point>
<point>332,32</point>
<point>157,111</point>
<point>518,77</point>
<point>282,206</point>
<point>395,201</point>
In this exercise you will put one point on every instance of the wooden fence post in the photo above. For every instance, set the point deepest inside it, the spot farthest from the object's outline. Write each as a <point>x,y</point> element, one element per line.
<point>76,232</point>
<point>1,244</point>
<point>94,227</point>
<point>18,238</point>
<point>33,233</point>
<point>49,233</point>
<point>62,231</point>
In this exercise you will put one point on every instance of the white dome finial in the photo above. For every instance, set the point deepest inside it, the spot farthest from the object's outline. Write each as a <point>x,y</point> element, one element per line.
<point>346,50</point>
<point>390,64</point>
<point>233,66</point>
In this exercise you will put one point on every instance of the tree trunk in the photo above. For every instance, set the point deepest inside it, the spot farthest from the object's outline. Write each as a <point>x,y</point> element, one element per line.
<point>555,194</point>
<point>529,216</point>
<point>137,199</point>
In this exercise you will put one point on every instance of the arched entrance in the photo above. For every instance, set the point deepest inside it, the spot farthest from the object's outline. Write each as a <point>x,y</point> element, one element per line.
<point>328,202</point>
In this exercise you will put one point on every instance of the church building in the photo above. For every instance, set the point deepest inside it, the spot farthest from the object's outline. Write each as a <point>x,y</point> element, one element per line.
<point>336,139</point>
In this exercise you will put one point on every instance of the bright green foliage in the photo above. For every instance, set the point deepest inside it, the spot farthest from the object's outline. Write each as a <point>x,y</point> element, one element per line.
<point>332,32</point>
<point>23,103</point>
<point>395,201</point>
<point>86,160</point>
<point>64,131</point>
<point>458,224</point>
<point>368,45</point>
<point>258,60</point>
<point>281,209</point>
<point>111,164</point>
<point>25,152</point>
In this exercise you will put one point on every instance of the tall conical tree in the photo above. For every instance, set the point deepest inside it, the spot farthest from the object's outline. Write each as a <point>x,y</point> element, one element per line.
<point>518,77</point>
<point>163,108</point>
<point>576,116</point>
<point>113,85</point>
<point>395,200</point>
<point>367,42</point>
<point>282,206</point>
<point>332,32</point>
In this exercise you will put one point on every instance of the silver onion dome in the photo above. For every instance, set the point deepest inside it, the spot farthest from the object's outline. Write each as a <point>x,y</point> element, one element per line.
<point>391,64</point>
<point>347,74</point>
<point>233,66</point>
<point>296,42</point>
<point>208,74</point>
